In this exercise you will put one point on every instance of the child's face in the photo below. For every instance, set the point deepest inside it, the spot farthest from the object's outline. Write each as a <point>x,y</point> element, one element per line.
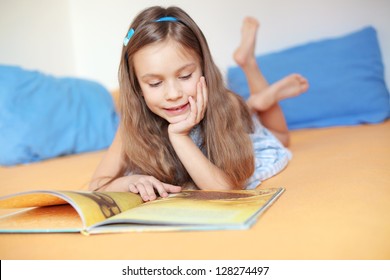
<point>168,75</point>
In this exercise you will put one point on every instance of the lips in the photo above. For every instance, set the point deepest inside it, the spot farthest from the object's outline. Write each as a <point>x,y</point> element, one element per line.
<point>177,109</point>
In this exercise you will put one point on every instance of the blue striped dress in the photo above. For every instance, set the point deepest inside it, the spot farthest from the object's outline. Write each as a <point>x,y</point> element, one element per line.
<point>271,156</point>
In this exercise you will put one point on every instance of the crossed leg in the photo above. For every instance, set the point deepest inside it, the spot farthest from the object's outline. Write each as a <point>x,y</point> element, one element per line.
<point>264,97</point>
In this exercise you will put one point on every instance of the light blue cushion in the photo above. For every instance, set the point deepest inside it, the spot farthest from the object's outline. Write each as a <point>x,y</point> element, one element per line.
<point>346,78</point>
<point>43,117</point>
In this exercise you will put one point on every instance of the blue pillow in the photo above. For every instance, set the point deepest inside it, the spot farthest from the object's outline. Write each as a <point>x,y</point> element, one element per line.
<point>43,117</point>
<point>346,78</point>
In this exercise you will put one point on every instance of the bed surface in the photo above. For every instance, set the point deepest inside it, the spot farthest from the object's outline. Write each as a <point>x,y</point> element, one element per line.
<point>336,206</point>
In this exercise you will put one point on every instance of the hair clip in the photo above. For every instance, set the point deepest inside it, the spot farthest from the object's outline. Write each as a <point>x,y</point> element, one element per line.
<point>128,37</point>
<point>131,31</point>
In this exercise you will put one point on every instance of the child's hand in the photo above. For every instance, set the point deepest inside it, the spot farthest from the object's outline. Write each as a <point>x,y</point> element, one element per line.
<point>147,185</point>
<point>197,111</point>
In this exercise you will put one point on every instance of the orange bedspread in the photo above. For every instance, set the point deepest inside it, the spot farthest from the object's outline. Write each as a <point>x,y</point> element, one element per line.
<point>336,206</point>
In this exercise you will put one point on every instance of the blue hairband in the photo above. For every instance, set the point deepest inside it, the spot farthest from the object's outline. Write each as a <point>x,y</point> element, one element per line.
<point>131,31</point>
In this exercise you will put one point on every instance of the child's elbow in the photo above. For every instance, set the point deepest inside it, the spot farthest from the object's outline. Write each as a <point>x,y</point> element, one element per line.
<point>287,142</point>
<point>285,139</point>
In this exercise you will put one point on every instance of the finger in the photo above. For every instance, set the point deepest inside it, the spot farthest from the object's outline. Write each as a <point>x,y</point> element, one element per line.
<point>205,94</point>
<point>160,188</point>
<point>199,101</point>
<point>132,188</point>
<point>172,188</point>
<point>149,190</point>
<point>142,191</point>
<point>194,110</point>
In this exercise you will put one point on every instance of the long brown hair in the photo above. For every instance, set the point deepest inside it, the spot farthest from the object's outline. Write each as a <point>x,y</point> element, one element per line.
<point>224,129</point>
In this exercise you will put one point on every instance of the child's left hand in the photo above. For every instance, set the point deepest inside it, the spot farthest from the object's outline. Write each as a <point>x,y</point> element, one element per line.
<point>197,111</point>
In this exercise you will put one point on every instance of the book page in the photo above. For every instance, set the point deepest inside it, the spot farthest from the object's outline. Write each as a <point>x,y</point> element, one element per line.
<point>90,207</point>
<point>58,218</point>
<point>199,208</point>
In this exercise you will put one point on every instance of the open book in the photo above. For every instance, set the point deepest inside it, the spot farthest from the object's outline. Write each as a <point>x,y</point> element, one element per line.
<point>106,212</point>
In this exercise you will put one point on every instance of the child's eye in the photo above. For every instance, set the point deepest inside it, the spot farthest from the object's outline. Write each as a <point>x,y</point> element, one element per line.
<point>186,77</point>
<point>156,84</point>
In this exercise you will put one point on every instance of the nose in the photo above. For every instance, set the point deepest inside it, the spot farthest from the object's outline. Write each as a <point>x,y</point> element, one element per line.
<point>173,91</point>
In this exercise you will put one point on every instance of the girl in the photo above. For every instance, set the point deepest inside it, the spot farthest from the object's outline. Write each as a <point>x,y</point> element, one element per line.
<point>179,125</point>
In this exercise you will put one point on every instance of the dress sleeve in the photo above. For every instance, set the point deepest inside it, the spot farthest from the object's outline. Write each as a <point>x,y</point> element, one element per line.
<point>271,156</point>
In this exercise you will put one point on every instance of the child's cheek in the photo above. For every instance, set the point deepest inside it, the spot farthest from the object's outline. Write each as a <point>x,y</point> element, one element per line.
<point>190,90</point>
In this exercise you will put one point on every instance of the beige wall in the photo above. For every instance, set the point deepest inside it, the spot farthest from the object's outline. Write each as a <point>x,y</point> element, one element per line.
<point>83,37</point>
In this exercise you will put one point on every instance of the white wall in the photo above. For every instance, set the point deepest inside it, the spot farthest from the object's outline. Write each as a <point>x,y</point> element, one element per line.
<point>37,35</point>
<point>84,37</point>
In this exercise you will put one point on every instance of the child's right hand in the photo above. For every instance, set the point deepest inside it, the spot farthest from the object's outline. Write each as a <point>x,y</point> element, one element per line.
<point>147,186</point>
<point>197,111</point>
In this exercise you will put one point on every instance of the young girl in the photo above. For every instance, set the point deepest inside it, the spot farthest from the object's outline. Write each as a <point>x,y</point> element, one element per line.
<point>179,125</point>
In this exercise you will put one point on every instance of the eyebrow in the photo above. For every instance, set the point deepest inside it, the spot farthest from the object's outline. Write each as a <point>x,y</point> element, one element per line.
<point>150,75</point>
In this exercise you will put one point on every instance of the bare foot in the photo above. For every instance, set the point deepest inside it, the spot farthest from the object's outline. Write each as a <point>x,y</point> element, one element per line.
<point>290,86</point>
<point>244,54</point>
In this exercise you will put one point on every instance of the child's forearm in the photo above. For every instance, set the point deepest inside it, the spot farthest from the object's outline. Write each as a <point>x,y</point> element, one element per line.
<point>204,173</point>
<point>120,184</point>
